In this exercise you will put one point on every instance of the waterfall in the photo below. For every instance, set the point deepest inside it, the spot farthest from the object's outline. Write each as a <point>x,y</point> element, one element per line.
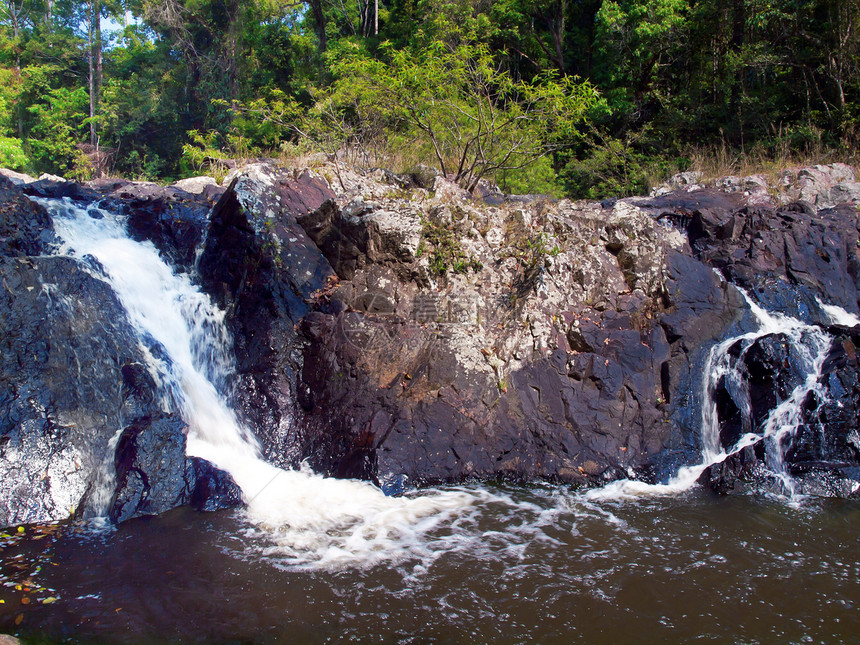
<point>311,520</point>
<point>807,346</point>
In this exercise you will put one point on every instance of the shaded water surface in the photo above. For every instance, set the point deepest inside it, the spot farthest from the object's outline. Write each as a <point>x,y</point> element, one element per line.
<point>545,565</point>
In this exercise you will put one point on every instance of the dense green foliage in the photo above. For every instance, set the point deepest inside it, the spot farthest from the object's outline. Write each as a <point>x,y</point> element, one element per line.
<point>583,97</point>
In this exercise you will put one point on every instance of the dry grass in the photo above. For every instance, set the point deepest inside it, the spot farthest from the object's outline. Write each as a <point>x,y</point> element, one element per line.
<point>770,161</point>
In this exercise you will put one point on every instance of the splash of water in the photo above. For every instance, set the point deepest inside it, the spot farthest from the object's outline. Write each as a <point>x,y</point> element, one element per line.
<point>839,316</point>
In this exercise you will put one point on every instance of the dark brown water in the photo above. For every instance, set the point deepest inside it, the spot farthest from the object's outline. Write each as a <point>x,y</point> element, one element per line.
<point>546,566</point>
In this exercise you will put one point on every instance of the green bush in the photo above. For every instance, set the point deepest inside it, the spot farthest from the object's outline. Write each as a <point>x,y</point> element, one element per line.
<point>12,155</point>
<point>61,121</point>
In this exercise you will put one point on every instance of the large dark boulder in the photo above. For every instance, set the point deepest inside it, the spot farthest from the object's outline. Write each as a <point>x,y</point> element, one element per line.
<point>153,474</point>
<point>66,354</point>
<point>822,456</point>
<point>173,220</point>
<point>262,267</point>
<point>392,400</point>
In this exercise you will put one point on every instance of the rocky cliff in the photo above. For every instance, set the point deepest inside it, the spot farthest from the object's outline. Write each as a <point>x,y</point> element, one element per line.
<point>398,329</point>
<point>409,333</point>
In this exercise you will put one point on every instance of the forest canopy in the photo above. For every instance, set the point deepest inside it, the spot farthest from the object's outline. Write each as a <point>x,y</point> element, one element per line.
<point>586,98</point>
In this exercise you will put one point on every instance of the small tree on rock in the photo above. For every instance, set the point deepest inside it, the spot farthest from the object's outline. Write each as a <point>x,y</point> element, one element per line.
<point>475,118</point>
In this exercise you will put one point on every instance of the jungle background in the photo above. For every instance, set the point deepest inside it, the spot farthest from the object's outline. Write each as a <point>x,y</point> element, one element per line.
<point>582,98</point>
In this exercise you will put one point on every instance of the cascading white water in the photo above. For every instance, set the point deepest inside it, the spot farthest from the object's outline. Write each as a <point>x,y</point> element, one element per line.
<point>808,347</point>
<point>312,520</point>
<point>838,316</point>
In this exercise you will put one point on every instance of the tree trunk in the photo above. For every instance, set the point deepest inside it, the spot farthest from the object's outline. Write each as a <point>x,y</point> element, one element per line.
<point>737,42</point>
<point>363,18</point>
<point>14,14</point>
<point>97,21</point>
<point>91,69</point>
<point>558,35</point>
<point>319,19</point>
<point>232,54</point>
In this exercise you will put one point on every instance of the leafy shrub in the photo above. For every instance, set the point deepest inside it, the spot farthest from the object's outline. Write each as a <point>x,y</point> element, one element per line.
<point>12,155</point>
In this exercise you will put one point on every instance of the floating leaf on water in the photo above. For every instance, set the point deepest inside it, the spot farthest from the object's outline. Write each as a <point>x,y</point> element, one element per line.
<point>48,601</point>
<point>21,529</point>
<point>19,619</point>
<point>25,600</point>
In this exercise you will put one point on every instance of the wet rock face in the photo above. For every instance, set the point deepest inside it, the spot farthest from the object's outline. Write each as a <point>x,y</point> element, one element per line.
<point>792,259</point>
<point>171,218</point>
<point>262,267</point>
<point>823,456</point>
<point>743,472</point>
<point>66,345</point>
<point>825,453</point>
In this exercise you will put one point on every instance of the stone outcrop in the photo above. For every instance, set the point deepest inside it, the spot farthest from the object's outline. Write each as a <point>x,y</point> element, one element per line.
<point>433,338</point>
<point>401,330</point>
<point>154,475</point>
<point>820,187</point>
<point>441,337</point>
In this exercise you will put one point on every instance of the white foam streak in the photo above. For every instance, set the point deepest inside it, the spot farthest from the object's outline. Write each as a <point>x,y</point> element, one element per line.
<point>632,489</point>
<point>838,316</point>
